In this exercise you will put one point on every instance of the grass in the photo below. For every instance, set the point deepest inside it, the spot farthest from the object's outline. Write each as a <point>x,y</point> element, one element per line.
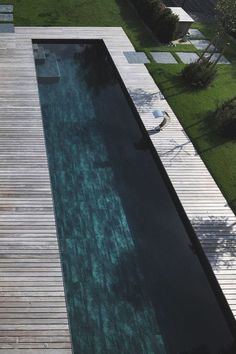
<point>83,13</point>
<point>193,109</point>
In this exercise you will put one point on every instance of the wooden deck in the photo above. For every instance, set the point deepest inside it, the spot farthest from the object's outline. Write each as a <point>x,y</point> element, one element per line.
<point>33,316</point>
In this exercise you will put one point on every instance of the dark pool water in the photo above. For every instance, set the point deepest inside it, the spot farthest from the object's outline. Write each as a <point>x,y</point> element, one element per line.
<point>134,284</point>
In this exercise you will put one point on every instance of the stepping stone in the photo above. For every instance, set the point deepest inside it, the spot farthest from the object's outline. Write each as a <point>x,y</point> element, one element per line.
<point>195,33</point>
<point>6,8</point>
<point>202,44</point>
<point>136,58</point>
<point>164,58</point>
<point>7,28</point>
<point>222,60</point>
<point>187,58</point>
<point>6,17</point>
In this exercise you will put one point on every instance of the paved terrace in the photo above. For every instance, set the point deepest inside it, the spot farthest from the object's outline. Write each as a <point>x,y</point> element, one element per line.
<point>33,317</point>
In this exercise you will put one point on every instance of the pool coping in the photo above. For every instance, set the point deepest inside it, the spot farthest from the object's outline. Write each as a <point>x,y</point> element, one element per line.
<point>208,212</point>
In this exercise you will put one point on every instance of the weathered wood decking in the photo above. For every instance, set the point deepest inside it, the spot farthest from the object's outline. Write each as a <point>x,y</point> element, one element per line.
<point>33,317</point>
<point>32,303</point>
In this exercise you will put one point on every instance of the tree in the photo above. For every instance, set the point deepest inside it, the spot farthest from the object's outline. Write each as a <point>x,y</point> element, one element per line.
<point>226,15</point>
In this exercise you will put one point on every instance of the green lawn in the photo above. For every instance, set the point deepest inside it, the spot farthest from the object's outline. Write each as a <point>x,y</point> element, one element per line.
<point>83,13</point>
<point>192,108</point>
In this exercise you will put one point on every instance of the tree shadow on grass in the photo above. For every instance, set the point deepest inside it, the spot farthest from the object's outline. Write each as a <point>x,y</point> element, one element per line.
<point>232,204</point>
<point>211,138</point>
<point>196,123</point>
<point>177,86</point>
<point>207,137</point>
<point>213,146</point>
<point>134,22</point>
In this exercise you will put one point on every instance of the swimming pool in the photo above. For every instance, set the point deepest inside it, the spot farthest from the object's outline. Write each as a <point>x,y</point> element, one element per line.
<point>133,279</point>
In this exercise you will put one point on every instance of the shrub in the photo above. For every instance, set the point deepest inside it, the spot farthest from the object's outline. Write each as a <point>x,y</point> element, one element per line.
<point>151,10</point>
<point>225,118</point>
<point>199,74</point>
<point>166,26</point>
<point>158,18</point>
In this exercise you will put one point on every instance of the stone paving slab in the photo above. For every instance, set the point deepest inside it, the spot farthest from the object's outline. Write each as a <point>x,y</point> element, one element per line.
<point>6,8</point>
<point>136,58</point>
<point>215,56</point>
<point>164,58</point>
<point>195,33</point>
<point>202,44</point>
<point>187,58</point>
<point>7,28</point>
<point>6,17</point>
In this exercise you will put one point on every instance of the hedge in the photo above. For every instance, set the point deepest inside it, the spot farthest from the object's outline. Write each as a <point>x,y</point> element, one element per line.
<point>158,18</point>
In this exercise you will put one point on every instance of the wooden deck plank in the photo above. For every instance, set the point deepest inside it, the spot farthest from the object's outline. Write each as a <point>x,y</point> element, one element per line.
<point>33,316</point>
